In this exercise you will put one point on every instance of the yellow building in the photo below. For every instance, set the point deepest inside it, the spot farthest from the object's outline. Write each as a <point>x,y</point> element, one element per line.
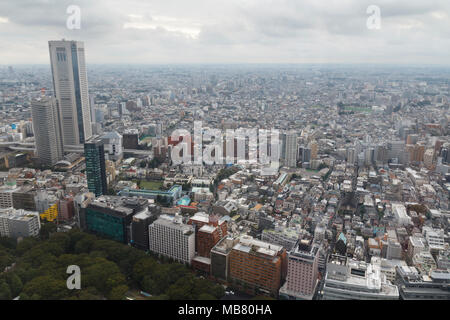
<point>51,213</point>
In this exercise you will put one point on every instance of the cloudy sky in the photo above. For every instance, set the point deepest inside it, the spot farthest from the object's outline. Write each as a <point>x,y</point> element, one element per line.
<point>230,31</point>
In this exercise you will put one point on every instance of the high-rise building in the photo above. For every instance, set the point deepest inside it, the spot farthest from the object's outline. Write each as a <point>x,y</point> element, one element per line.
<point>314,149</point>
<point>170,237</point>
<point>303,271</point>
<point>94,153</point>
<point>428,159</point>
<point>291,150</point>
<point>47,131</point>
<point>71,90</point>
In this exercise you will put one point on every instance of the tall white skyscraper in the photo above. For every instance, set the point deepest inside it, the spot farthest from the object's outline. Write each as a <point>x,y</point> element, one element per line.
<point>47,131</point>
<point>291,150</point>
<point>71,90</point>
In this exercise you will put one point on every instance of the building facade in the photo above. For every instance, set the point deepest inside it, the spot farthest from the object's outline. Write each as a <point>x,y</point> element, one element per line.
<point>170,237</point>
<point>47,131</point>
<point>303,270</point>
<point>71,90</point>
<point>95,167</point>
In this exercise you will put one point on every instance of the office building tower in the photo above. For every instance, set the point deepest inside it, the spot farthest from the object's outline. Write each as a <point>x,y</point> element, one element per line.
<point>283,144</point>
<point>428,159</point>
<point>94,153</point>
<point>71,90</point>
<point>291,150</point>
<point>303,270</point>
<point>445,154</point>
<point>92,107</point>
<point>47,131</point>
<point>314,149</point>
<point>306,155</point>
<point>170,237</point>
<point>351,156</point>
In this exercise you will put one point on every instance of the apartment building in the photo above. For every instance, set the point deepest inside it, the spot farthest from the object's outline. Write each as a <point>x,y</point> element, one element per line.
<point>170,237</point>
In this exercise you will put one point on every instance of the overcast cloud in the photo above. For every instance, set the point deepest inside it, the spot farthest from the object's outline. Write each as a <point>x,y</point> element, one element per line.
<point>230,31</point>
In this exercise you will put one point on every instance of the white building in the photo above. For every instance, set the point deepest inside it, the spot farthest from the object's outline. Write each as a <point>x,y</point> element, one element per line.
<point>357,280</point>
<point>71,90</point>
<point>15,223</point>
<point>435,239</point>
<point>400,214</point>
<point>6,196</point>
<point>112,142</point>
<point>170,237</point>
<point>286,237</point>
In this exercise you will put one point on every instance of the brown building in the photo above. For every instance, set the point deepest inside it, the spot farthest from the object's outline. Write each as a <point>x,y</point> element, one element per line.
<point>24,198</point>
<point>257,267</point>
<point>201,219</point>
<point>209,230</point>
<point>66,209</point>
<point>130,141</point>
<point>207,238</point>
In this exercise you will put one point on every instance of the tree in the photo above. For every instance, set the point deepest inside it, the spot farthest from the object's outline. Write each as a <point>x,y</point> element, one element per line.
<point>5,292</point>
<point>85,244</point>
<point>206,296</point>
<point>14,282</point>
<point>46,229</point>
<point>47,288</point>
<point>144,267</point>
<point>118,293</point>
<point>104,275</point>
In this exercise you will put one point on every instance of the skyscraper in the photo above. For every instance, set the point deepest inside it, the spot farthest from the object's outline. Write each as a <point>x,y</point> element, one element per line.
<point>94,153</point>
<point>71,90</point>
<point>47,131</point>
<point>291,150</point>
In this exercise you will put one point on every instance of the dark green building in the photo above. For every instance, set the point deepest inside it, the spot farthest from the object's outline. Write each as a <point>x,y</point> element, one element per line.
<point>111,217</point>
<point>94,153</point>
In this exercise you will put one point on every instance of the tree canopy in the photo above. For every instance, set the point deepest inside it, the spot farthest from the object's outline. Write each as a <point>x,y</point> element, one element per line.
<point>38,270</point>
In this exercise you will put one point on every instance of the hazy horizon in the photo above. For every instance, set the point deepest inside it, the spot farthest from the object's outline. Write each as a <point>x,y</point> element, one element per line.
<point>230,32</point>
